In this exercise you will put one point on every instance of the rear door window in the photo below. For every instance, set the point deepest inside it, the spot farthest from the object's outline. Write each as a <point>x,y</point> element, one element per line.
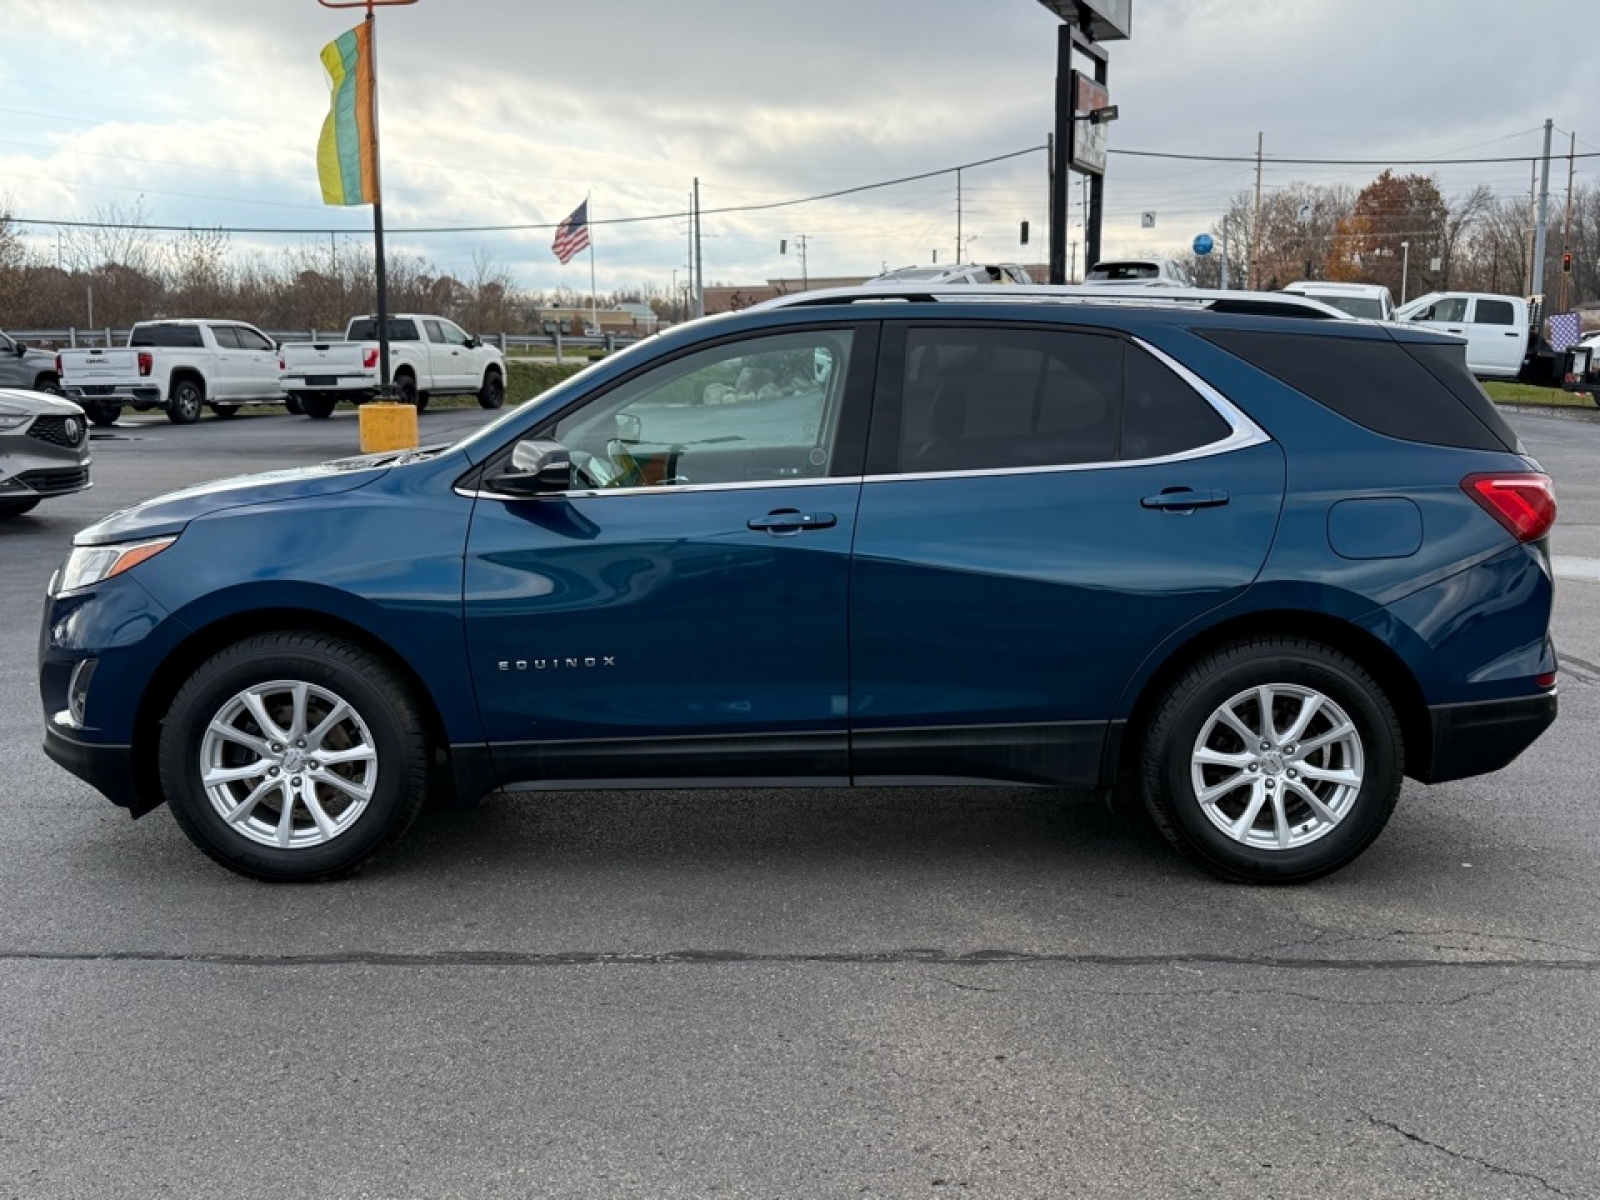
<point>997,398</point>
<point>1494,312</point>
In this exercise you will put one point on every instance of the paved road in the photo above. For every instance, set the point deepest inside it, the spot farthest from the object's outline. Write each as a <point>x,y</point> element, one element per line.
<point>893,993</point>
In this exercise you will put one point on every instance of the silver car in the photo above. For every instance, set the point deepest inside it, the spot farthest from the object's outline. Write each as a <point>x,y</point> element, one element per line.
<point>24,367</point>
<point>44,449</point>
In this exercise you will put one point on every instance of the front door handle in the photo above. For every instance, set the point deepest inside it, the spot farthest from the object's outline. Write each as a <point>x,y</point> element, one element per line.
<point>792,520</point>
<point>1184,500</point>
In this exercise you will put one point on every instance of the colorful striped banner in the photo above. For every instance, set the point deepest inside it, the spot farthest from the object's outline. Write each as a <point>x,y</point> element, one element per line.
<point>347,152</point>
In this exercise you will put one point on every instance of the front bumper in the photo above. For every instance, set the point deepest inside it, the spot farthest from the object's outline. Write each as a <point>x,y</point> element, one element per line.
<point>1484,736</point>
<point>106,768</point>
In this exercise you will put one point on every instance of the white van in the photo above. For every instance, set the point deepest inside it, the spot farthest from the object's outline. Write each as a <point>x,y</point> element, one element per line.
<point>1369,300</point>
<point>1497,328</point>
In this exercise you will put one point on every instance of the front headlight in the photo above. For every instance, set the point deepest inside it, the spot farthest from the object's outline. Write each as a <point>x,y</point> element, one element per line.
<point>89,565</point>
<point>12,418</point>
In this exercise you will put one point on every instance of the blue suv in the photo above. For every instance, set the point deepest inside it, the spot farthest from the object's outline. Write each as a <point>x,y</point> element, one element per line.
<point>1255,561</point>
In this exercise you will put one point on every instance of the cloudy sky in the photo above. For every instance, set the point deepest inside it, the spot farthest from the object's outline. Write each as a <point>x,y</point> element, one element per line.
<point>510,112</point>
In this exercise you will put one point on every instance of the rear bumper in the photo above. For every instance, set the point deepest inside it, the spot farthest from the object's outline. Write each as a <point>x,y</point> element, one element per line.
<point>118,394</point>
<point>1474,739</point>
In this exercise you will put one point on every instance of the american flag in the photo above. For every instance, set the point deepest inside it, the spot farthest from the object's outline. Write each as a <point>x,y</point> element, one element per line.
<point>573,234</point>
<point>1566,329</point>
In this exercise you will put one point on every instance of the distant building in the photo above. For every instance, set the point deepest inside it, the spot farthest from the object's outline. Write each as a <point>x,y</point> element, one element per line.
<point>623,320</point>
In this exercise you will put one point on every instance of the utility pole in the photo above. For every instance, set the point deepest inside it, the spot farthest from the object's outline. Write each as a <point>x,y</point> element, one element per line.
<point>1566,227</point>
<point>958,216</point>
<point>699,263</point>
<point>1544,206</point>
<point>1252,274</point>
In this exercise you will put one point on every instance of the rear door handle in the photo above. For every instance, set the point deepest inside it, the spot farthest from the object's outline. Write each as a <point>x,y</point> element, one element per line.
<point>1184,500</point>
<point>792,520</point>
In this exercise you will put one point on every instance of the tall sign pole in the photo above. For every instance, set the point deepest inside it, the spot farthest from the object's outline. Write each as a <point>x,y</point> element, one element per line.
<point>381,265</point>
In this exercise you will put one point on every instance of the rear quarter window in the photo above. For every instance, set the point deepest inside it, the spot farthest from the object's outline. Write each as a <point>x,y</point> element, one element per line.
<point>1386,386</point>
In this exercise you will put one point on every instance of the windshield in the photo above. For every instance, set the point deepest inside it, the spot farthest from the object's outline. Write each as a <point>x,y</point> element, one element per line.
<point>1125,270</point>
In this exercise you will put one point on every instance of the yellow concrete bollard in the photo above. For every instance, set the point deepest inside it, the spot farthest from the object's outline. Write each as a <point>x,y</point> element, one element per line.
<point>386,426</point>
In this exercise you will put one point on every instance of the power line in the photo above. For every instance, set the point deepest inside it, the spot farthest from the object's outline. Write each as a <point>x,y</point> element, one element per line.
<point>530,227</point>
<point>1338,162</point>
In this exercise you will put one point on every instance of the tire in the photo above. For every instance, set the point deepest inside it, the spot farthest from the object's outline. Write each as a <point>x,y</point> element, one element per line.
<point>15,508</point>
<point>319,408</point>
<point>185,402</point>
<point>48,384</point>
<point>405,391</point>
<point>269,690</point>
<point>291,401</point>
<point>1264,828</point>
<point>493,393</point>
<point>102,412</point>
<point>225,412</point>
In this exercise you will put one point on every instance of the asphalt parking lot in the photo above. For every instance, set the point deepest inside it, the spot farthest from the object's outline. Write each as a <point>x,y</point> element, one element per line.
<point>887,993</point>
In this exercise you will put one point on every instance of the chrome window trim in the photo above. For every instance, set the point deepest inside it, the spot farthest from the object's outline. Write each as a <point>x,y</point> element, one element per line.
<point>1243,433</point>
<point>665,490</point>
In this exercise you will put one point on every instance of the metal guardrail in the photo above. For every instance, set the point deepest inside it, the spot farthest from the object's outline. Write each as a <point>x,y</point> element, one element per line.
<point>528,345</point>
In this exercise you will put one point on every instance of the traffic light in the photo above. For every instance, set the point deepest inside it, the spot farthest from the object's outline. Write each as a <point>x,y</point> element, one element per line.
<point>1566,261</point>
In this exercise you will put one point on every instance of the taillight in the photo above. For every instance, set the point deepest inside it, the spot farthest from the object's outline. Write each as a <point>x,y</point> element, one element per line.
<point>59,371</point>
<point>1525,503</point>
<point>371,359</point>
<point>147,362</point>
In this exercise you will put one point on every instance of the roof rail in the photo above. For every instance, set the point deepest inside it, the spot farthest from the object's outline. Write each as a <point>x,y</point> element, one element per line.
<point>1267,304</point>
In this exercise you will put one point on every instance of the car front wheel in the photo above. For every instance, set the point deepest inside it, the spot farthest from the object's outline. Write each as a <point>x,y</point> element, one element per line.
<point>1273,761</point>
<point>294,756</point>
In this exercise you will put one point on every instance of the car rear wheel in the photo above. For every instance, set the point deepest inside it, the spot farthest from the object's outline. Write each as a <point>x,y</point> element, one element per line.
<point>317,407</point>
<point>291,401</point>
<point>405,391</point>
<point>185,402</point>
<point>15,508</point>
<point>1273,761</point>
<point>493,393</point>
<point>294,756</point>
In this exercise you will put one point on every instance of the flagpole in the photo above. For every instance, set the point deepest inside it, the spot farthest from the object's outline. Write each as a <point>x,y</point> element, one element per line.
<point>380,266</point>
<point>594,318</point>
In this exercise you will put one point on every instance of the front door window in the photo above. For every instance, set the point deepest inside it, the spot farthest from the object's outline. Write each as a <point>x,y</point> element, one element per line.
<point>756,411</point>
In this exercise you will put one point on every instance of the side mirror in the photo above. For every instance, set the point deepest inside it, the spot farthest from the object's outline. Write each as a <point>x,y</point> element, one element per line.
<point>539,467</point>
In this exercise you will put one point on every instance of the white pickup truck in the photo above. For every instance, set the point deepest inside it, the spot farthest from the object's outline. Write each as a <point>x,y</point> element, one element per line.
<point>428,356</point>
<point>1498,329</point>
<point>179,366</point>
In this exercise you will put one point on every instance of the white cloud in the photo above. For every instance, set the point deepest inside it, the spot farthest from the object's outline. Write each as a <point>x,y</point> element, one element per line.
<point>499,112</point>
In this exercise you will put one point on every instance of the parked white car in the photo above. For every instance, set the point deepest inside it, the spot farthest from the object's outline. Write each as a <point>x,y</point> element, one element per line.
<point>978,274</point>
<point>428,356</point>
<point>1138,272</point>
<point>1497,328</point>
<point>1371,301</point>
<point>177,365</point>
